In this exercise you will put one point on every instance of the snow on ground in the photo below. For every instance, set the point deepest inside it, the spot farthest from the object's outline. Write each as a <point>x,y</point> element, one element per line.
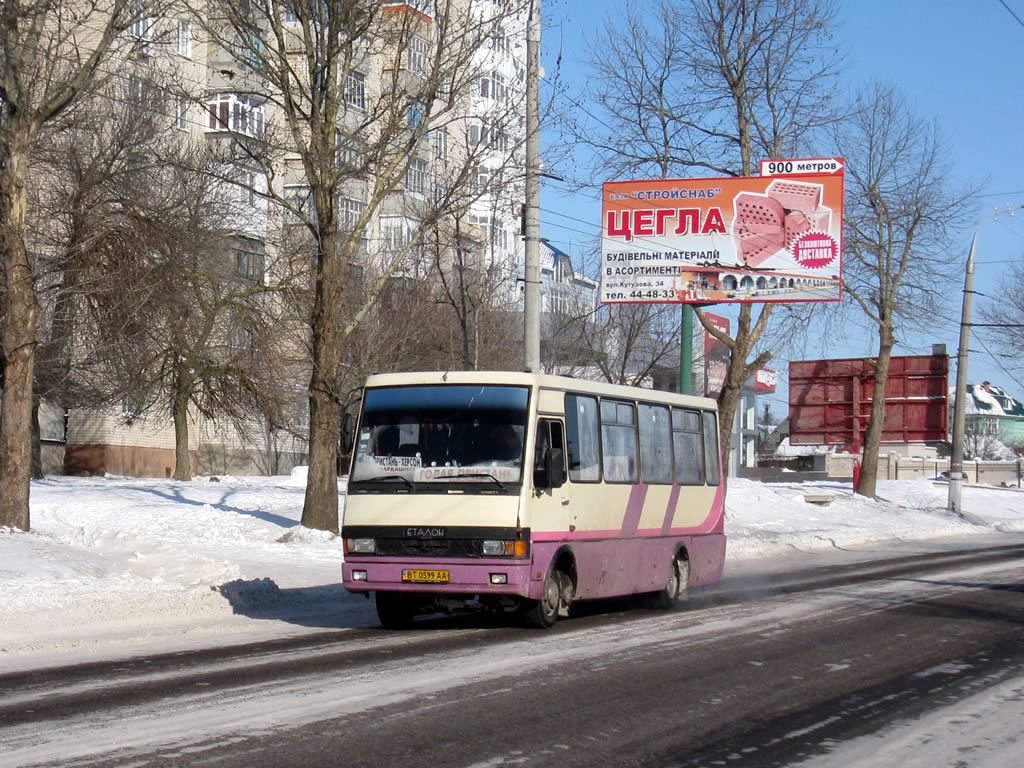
<point>121,565</point>
<point>118,566</point>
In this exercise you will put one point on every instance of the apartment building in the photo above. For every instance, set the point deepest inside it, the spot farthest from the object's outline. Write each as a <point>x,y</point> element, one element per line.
<point>428,128</point>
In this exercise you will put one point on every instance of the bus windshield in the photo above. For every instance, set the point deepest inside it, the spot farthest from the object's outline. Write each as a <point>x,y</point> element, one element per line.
<point>442,434</point>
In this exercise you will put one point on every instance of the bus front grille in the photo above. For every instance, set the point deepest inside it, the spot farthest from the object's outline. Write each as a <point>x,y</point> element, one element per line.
<point>429,547</point>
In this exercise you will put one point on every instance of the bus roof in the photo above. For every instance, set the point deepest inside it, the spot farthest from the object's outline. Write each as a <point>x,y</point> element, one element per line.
<point>548,381</point>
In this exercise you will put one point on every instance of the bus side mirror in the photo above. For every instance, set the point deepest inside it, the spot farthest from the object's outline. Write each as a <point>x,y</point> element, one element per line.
<point>556,469</point>
<point>552,473</point>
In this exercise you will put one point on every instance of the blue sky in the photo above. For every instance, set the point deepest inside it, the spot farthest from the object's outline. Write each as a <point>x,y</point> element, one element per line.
<point>957,62</point>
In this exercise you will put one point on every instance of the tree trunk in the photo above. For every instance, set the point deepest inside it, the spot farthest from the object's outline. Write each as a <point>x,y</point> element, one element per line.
<point>873,439</point>
<point>182,389</point>
<point>320,506</point>
<point>182,460</point>
<point>18,337</point>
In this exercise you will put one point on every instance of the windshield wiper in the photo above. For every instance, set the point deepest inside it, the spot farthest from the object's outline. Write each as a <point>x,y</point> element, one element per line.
<point>387,478</point>
<point>488,475</point>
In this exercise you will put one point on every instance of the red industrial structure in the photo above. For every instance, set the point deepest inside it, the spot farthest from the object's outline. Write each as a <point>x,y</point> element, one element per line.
<point>830,401</point>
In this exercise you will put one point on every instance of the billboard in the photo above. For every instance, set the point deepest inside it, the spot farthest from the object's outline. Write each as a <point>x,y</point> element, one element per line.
<point>766,380</point>
<point>774,237</point>
<point>830,400</point>
<point>716,357</point>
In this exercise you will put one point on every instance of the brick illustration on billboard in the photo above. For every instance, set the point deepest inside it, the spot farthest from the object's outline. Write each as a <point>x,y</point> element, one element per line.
<point>774,237</point>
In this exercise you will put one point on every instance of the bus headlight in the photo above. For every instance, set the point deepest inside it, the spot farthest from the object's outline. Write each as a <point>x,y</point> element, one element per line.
<point>496,548</point>
<point>360,546</point>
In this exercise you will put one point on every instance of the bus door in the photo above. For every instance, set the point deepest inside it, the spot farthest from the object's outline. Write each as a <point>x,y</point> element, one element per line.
<point>550,498</point>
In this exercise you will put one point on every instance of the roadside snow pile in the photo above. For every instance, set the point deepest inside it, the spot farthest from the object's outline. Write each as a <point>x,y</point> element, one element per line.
<point>764,519</point>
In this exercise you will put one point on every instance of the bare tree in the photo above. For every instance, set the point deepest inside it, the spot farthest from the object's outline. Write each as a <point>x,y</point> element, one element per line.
<point>50,55</point>
<point>311,61</point>
<point>712,86</point>
<point>88,219</point>
<point>1008,312</point>
<point>901,219</point>
<point>477,290</point>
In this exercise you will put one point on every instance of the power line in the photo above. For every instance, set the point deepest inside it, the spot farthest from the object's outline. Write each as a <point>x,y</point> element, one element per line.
<point>1011,12</point>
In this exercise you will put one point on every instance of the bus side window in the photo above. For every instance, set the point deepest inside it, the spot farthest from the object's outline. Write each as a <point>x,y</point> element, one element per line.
<point>689,447</point>
<point>549,455</point>
<point>711,453</point>
<point>618,442</point>
<point>582,442</point>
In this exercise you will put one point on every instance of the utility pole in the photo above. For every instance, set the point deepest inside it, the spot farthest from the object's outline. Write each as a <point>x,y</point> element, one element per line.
<point>956,459</point>
<point>531,298</point>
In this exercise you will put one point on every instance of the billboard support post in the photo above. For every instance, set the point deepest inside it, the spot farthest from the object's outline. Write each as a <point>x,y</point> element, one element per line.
<point>686,350</point>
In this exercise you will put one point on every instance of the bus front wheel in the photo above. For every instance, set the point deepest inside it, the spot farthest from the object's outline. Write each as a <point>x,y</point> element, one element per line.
<point>394,610</point>
<point>554,600</point>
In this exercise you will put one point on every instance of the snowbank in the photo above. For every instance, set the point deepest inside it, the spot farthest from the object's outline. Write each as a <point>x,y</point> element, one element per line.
<point>161,564</point>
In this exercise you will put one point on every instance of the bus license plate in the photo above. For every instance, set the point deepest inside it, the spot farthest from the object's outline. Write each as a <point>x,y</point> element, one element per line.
<point>422,575</point>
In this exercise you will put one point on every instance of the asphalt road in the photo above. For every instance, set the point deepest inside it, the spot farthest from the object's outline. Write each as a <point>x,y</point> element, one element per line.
<point>764,670</point>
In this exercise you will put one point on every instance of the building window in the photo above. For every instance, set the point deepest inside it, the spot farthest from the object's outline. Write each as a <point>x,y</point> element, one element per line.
<point>185,38</point>
<point>500,40</point>
<point>350,211</point>
<point>440,143</point>
<point>355,90</point>
<point>417,111</point>
<point>492,86</point>
<point>142,26</point>
<point>248,182</point>
<point>483,223</point>
<point>399,234</point>
<point>181,114</point>
<point>299,205</point>
<point>416,177</point>
<point>418,56</point>
<point>483,179</point>
<point>248,263</point>
<point>236,113</point>
<point>350,152</point>
<point>484,133</point>
<point>136,89</point>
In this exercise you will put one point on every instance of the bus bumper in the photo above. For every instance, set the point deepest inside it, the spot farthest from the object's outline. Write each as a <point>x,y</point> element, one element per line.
<point>480,577</point>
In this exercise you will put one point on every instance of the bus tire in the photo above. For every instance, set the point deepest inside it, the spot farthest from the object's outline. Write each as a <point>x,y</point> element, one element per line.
<point>544,613</point>
<point>674,593</point>
<point>394,610</point>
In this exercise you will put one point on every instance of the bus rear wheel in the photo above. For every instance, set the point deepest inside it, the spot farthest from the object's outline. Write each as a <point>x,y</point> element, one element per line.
<point>674,593</point>
<point>554,601</point>
<point>394,610</point>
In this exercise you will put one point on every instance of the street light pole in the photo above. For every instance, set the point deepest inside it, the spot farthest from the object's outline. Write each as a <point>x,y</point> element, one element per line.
<point>531,267</point>
<point>956,459</point>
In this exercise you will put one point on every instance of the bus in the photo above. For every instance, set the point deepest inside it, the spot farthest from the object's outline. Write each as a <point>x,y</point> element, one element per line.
<point>528,492</point>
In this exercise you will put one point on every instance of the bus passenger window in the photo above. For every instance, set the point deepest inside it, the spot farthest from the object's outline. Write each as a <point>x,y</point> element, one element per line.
<point>618,442</point>
<point>689,447</point>
<point>711,448</point>
<point>581,438</point>
<point>655,444</point>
